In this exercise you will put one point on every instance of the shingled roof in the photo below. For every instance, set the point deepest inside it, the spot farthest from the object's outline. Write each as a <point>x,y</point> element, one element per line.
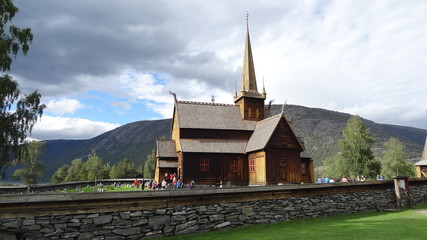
<point>166,148</point>
<point>423,161</point>
<point>211,116</point>
<point>213,145</point>
<point>263,132</point>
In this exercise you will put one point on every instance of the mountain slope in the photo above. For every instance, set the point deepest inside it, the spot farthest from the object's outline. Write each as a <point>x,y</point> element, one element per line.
<point>320,129</point>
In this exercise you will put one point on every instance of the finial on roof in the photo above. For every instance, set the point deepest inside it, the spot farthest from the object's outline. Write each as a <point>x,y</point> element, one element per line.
<point>283,107</point>
<point>263,93</point>
<point>269,104</point>
<point>235,90</point>
<point>174,96</point>
<point>213,99</point>
<point>247,19</point>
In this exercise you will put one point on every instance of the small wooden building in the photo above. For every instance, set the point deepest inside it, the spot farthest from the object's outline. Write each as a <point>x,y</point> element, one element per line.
<point>421,166</point>
<point>240,143</point>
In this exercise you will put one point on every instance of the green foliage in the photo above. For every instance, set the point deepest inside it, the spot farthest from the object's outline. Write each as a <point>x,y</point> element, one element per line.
<point>334,168</point>
<point>28,159</point>
<point>123,169</point>
<point>394,161</point>
<point>73,173</point>
<point>106,169</point>
<point>14,124</point>
<point>149,165</point>
<point>60,175</point>
<point>356,158</point>
<point>93,167</point>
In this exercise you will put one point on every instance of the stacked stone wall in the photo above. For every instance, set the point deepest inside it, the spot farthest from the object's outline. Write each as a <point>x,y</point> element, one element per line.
<point>178,220</point>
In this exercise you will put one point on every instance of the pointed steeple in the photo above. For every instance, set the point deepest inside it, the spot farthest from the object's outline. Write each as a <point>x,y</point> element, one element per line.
<point>249,83</point>
<point>251,102</point>
<point>424,156</point>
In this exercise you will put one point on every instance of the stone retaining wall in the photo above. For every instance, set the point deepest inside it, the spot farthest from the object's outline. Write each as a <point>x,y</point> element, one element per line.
<point>187,219</point>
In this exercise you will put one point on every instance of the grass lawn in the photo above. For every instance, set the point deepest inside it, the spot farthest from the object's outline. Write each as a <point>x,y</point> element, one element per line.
<point>107,188</point>
<point>406,224</point>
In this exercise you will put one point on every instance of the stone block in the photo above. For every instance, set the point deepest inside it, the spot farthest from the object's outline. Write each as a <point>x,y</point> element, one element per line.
<point>155,220</point>
<point>160,211</point>
<point>102,219</point>
<point>127,231</point>
<point>214,218</point>
<point>102,232</point>
<point>142,221</point>
<point>70,234</point>
<point>125,215</point>
<point>7,236</point>
<point>13,224</point>
<point>29,221</point>
<point>188,230</point>
<point>135,214</point>
<point>85,236</point>
<point>223,225</point>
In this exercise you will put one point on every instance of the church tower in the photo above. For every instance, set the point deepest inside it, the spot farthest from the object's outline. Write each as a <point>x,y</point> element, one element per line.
<point>251,102</point>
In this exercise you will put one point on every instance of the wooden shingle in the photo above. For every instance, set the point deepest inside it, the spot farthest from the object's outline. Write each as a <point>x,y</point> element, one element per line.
<point>211,116</point>
<point>213,145</point>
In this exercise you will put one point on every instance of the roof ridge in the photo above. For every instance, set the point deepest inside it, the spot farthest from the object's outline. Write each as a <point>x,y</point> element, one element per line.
<point>207,103</point>
<point>269,118</point>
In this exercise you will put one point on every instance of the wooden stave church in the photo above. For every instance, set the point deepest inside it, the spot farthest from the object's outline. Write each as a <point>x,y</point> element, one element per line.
<point>240,144</point>
<point>421,166</point>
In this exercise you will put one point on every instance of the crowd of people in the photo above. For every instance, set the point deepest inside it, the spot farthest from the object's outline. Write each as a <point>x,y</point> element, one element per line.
<point>346,179</point>
<point>170,181</point>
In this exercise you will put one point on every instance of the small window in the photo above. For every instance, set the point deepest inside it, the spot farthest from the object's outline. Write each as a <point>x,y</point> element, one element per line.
<point>303,168</point>
<point>252,165</point>
<point>234,165</point>
<point>204,164</point>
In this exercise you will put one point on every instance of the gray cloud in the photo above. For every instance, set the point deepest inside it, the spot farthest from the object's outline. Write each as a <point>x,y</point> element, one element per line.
<point>354,56</point>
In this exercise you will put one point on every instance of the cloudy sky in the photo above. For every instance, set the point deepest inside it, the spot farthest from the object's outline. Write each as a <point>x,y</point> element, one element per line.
<point>100,64</point>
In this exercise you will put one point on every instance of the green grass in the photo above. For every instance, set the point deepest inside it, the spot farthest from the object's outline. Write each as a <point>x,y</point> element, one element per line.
<point>107,188</point>
<point>406,224</point>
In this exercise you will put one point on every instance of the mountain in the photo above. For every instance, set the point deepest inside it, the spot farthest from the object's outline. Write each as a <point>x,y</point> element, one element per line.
<point>320,129</point>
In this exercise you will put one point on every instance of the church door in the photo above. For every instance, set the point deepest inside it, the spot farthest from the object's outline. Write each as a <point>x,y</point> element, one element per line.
<point>283,168</point>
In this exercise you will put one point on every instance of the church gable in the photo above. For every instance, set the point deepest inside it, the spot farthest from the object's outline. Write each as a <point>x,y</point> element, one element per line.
<point>284,137</point>
<point>274,132</point>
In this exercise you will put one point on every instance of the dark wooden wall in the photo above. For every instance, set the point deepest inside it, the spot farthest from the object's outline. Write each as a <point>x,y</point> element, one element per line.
<point>219,169</point>
<point>283,137</point>
<point>252,109</point>
<point>283,166</point>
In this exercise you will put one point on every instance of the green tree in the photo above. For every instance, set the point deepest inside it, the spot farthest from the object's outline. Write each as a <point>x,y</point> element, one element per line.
<point>60,174</point>
<point>28,159</point>
<point>394,161</point>
<point>123,169</point>
<point>94,167</point>
<point>106,169</point>
<point>149,165</point>
<point>335,167</point>
<point>356,158</point>
<point>14,125</point>
<point>73,173</point>
<point>356,149</point>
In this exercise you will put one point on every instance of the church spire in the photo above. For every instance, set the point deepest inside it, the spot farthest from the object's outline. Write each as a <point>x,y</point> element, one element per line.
<point>250,101</point>
<point>248,72</point>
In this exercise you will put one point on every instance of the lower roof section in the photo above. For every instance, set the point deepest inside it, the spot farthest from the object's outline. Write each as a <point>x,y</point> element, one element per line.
<point>213,145</point>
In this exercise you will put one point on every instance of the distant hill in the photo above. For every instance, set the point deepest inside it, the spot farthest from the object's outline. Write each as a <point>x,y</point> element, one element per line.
<point>320,129</point>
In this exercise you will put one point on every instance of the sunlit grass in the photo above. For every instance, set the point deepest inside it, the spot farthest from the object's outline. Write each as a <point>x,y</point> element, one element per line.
<point>394,225</point>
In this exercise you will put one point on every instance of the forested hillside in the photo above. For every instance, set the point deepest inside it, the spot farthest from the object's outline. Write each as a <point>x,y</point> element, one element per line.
<point>319,128</point>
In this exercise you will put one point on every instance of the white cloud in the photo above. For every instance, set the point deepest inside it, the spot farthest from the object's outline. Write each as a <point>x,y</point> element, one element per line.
<point>357,56</point>
<point>63,106</point>
<point>69,128</point>
<point>123,105</point>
